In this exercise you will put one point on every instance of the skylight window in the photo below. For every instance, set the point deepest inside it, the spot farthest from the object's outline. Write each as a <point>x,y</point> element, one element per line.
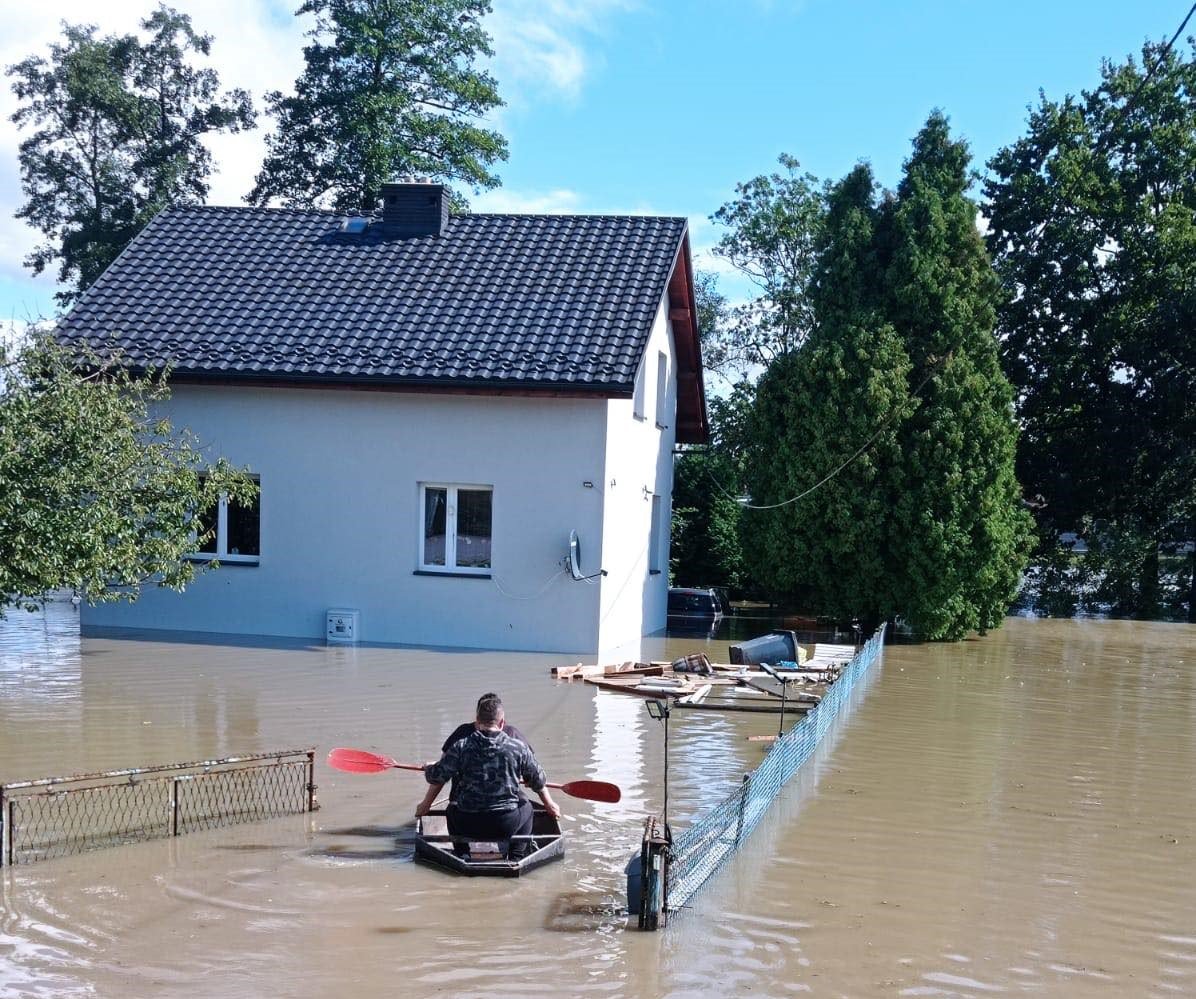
<point>355,224</point>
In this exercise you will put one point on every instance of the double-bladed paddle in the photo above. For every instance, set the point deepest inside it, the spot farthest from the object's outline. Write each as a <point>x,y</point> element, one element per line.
<point>358,761</point>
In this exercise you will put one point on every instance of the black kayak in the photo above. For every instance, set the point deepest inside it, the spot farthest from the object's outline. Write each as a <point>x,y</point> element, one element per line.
<point>433,845</point>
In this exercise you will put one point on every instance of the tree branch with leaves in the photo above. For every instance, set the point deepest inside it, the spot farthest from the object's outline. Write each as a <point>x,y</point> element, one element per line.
<point>96,493</point>
<point>114,133</point>
<point>389,90</point>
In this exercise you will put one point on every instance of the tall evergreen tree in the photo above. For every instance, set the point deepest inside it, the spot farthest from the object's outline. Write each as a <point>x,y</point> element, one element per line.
<point>118,123</point>
<point>389,90</point>
<point>959,533</point>
<point>884,448</point>
<point>825,428</point>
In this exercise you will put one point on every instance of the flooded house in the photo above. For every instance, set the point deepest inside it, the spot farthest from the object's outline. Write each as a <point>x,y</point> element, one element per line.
<point>462,425</point>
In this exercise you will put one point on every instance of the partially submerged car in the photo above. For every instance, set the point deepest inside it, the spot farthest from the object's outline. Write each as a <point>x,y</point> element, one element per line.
<point>694,610</point>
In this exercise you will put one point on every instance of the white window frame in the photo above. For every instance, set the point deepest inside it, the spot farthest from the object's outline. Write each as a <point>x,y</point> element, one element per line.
<point>662,390</point>
<point>450,566</point>
<point>656,537</point>
<point>221,554</point>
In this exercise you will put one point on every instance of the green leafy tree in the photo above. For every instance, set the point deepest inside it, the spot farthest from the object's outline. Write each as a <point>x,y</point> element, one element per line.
<point>773,228</point>
<point>115,127</point>
<point>389,90</point>
<point>95,493</point>
<point>706,548</point>
<point>883,451</point>
<point>713,318</point>
<point>826,426</point>
<point>1093,230</point>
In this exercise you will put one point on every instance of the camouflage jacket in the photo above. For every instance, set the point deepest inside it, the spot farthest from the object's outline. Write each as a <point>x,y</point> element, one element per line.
<point>486,769</point>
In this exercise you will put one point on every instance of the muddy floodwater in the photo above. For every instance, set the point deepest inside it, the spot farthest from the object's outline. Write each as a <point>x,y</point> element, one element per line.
<point>1011,815</point>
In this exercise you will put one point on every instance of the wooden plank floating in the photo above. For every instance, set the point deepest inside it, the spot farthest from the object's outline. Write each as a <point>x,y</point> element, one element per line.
<point>771,708</point>
<point>633,686</point>
<point>624,669</point>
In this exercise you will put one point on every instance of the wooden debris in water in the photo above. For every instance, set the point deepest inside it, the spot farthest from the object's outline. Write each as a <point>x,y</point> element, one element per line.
<point>622,669</point>
<point>698,695</point>
<point>772,707</point>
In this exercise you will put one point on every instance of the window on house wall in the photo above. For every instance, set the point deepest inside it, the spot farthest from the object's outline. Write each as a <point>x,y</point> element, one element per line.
<point>637,401</point>
<point>663,416</point>
<point>232,531</point>
<point>656,538</point>
<point>456,528</point>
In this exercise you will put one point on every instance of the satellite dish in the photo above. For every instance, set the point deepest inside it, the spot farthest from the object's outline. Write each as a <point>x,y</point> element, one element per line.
<point>574,556</point>
<point>573,560</point>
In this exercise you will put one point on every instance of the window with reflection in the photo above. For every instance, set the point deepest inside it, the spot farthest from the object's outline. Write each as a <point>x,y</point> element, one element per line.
<point>230,531</point>
<point>456,522</point>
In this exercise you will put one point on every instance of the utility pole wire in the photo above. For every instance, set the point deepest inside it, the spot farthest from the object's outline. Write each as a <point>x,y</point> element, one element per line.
<point>830,475</point>
<point>1132,99</point>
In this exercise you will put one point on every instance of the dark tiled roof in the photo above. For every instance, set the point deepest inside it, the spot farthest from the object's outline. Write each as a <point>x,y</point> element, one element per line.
<point>496,300</point>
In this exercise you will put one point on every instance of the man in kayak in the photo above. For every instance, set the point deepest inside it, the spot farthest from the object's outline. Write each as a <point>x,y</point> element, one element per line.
<point>486,767</point>
<point>461,731</point>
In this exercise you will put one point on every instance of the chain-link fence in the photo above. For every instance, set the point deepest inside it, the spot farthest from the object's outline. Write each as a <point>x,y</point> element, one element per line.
<point>62,816</point>
<point>698,851</point>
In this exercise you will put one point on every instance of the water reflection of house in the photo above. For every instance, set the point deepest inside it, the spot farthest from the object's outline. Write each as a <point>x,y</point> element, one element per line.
<point>432,403</point>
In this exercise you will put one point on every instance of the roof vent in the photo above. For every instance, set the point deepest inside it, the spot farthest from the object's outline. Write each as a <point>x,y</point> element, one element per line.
<point>415,208</point>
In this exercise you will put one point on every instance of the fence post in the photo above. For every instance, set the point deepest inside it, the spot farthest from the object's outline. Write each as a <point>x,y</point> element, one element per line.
<point>174,807</point>
<point>3,825</point>
<point>12,830</point>
<point>653,877</point>
<point>743,796</point>
<point>311,780</point>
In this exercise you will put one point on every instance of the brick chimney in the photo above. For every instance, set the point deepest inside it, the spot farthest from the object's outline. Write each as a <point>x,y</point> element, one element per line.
<point>415,208</point>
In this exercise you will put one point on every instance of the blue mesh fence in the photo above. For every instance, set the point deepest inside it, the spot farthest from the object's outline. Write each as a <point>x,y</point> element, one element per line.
<point>698,851</point>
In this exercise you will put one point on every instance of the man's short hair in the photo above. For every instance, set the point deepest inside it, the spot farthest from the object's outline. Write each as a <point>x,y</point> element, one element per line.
<point>490,710</point>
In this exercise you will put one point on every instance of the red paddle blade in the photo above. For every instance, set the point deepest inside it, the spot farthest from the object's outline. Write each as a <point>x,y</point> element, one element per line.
<point>592,790</point>
<point>358,761</point>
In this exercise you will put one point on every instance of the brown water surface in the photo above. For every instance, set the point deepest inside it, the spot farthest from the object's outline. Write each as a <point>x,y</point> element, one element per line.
<point>1010,815</point>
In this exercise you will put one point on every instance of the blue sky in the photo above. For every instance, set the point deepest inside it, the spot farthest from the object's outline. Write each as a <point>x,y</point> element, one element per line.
<point>619,106</point>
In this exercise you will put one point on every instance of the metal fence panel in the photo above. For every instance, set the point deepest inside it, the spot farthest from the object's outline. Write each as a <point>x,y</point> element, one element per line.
<point>701,849</point>
<point>63,816</point>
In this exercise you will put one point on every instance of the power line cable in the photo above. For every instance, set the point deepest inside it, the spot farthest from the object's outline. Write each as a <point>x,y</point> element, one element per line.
<point>1129,104</point>
<point>1132,99</point>
<point>830,475</point>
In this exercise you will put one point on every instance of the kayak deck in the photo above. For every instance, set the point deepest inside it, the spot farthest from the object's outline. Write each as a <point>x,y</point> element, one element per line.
<point>433,845</point>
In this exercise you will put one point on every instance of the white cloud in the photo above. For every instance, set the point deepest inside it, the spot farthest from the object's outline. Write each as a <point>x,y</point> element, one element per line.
<point>503,200</point>
<point>541,47</point>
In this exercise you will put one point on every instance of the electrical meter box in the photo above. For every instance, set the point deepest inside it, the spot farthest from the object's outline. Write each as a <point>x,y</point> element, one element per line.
<point>342,626</point>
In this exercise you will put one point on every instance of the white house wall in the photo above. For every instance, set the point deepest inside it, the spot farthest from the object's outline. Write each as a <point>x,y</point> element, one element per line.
<point>340,517</point>
<point>639,464</point>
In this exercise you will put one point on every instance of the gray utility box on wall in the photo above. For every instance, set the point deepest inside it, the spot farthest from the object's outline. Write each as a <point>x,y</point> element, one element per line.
<point>342,625</point>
